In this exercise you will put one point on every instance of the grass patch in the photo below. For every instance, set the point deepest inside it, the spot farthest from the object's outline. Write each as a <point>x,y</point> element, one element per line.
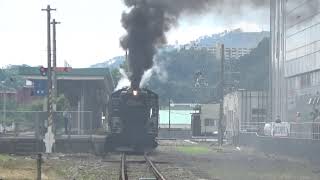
<point>4,157</point>
<point>193,149</point>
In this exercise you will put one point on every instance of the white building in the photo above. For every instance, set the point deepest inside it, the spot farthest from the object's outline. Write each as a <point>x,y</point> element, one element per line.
<point>245,111</point>
<point>231,53</point>
<point>209,117</point>
<point>295,63</point>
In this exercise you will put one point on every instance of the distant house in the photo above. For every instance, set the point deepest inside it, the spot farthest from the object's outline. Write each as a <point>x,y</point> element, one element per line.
<point>205,121</point>
<point>24,95</point>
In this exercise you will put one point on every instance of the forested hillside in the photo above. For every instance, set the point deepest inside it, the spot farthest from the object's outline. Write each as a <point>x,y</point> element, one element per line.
<point>176,70</point>
<point>254,67</point>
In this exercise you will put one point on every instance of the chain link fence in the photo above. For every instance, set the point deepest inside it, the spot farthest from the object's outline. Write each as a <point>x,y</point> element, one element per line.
<point>34,123</point>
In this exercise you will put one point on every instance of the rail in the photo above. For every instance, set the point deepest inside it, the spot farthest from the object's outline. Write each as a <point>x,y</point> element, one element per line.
<point>154,169</point>
<point>123,169</point>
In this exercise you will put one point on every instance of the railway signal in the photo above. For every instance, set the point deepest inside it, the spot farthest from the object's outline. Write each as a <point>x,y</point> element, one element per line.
<point>43,71</point>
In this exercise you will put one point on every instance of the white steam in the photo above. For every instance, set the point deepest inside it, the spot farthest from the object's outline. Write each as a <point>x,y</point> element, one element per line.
<point>124,81</point>
<point>157,69</point>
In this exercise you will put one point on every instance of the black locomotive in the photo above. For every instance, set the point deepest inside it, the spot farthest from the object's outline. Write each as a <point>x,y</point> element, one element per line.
<point>133,120</point>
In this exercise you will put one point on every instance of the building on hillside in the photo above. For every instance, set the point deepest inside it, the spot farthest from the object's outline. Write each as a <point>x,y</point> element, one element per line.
<point>245,111</point>
<point>237,43</point>
<point>295,64</point>
<point>231,53</point>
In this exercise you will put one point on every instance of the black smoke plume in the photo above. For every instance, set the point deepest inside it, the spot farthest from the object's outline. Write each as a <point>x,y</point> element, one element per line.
<point>148,20</point>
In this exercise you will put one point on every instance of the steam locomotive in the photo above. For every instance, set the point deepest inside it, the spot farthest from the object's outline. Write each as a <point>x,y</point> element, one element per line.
<point>133,120</point>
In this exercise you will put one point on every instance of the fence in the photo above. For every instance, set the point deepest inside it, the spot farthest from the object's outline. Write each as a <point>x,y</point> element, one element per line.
<point>306,130</point>
<point>175,126</point>
<point>34,123</point>
<point>252,126</point>
<point>303,130</point>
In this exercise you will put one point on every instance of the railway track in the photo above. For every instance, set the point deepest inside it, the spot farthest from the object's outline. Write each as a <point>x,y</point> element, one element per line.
<point>155,171</point>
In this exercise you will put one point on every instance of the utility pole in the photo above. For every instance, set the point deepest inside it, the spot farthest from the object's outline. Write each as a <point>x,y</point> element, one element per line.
<point>4,110</point>
<point>54,59</point>
<point>220,130</point>
<point>169,115</point>
<point>49,137</point>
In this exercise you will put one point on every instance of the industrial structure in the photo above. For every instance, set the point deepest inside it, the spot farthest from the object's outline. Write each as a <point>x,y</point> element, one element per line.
<point>86,89</point>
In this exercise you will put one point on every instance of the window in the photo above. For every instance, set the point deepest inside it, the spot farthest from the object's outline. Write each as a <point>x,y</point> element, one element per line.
<point>259,111</point>
<point>209,122</point>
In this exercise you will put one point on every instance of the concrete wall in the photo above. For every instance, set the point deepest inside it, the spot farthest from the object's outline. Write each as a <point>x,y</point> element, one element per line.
<point>175,133</point>
<point>21,145</point>
<point>209,111</point>
<point>85,144</point>
<point>301,148</point>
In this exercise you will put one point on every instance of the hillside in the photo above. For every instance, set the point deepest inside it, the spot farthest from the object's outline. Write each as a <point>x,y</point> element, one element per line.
<point>111,63</point>
<point>254,69</point>
<point>174,77</point>
<point>181,68</point>
<point>235,39</point>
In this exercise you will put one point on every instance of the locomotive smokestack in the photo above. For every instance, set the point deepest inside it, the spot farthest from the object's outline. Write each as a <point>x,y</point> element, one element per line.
<point>148,21</point>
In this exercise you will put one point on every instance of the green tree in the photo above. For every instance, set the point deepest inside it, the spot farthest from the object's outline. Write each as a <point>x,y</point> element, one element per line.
<point>181,67</point>
<point>254,68</point>
<point>9,77</point>
<point>116,76</point>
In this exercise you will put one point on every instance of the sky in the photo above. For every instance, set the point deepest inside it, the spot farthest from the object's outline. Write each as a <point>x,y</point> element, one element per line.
<point>90,30</point>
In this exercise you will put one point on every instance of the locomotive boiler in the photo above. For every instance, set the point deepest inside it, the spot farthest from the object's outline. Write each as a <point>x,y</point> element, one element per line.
<point>133,120</point>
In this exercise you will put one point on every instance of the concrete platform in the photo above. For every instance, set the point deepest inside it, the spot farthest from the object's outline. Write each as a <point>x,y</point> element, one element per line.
<point>28,144</point>
<point>64,144</point>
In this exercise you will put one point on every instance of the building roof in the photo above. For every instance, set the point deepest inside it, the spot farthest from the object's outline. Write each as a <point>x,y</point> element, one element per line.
<point>8,92</point>
<point>73,74</point>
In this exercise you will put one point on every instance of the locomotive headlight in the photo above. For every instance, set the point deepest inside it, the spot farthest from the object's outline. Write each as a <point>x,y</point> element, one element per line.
<point>134,92</point>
